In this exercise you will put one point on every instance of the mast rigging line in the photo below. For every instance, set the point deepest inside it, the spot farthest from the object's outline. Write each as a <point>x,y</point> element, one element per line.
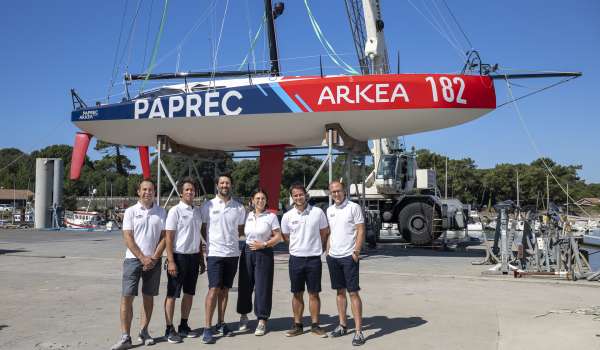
<point>252,45</point>
<point>114,70</point>
<point>462,55</point>
<point>446,23</point>
<point>147,34</point>
<point>157,41</point>
<point>128,45</point>
<point>326,45</point>
<point>458,24</point>
<point>534,145</point>
<point>508,76</point>
<point>444,28</point>
<point>195,27</point>
<point>219,42</point>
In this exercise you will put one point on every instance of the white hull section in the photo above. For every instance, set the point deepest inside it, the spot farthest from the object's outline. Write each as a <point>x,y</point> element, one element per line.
<point>240,132</point>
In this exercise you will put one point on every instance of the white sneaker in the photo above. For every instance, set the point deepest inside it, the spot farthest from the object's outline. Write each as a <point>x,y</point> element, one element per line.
<point>261,329</point>
<point>243,323</point>
<point>145,338</point>
<point>123,344</point>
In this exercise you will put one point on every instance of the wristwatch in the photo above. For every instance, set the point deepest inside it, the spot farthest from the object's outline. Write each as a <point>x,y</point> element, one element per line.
<point>265,244</point>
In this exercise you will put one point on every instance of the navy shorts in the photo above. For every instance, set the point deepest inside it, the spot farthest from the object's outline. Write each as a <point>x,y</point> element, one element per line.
<point>188,267</point>
<point>221,271</point>
<point>305,271</point>
<point>343,273</point>
<point>133,270</point>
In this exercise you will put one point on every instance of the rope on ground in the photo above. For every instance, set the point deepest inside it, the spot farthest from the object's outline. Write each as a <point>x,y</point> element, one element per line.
<point>590,311</point>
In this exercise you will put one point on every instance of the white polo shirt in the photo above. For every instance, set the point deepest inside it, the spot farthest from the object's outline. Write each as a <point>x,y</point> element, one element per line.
<point>304,230</point>
<point>186,221</point>
<point>343,219</point>
<point>146,225</point>
<point>260,227</point>
<point>222,221</point>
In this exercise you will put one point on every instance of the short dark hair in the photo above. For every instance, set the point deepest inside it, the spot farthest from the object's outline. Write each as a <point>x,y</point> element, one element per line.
<point>338,182</point>
<point>145,180</point>
<point>297,186</point>
<point>187,180</point>
<point>227,175</point>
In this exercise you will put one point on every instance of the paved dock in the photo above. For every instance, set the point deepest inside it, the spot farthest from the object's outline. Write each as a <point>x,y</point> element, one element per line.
<point>61,290</point>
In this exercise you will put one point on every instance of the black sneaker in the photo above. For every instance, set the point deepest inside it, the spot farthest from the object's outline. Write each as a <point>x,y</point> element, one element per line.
<point>318,331</point>
<point>186,332</point>
<point>296,329</point>
<point>359,339</point>
<point>172,336</point>
<point>207,336</point>
<point>339,331</point>
<point>145,338</point>
<point>222,330</point>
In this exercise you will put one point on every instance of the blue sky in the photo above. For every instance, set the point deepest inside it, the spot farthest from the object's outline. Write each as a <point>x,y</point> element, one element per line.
<point>49,47</point>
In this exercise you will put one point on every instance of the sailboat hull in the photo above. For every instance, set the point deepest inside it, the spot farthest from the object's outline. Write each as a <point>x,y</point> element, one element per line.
<point>294,110</point>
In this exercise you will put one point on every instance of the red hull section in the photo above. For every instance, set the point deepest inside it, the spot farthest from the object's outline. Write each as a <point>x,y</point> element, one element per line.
<point>82,142</point>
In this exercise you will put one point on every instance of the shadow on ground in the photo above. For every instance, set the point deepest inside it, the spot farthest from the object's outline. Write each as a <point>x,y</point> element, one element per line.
<point>397,250</point>
<point>10,251</point>
<point>382,325</point>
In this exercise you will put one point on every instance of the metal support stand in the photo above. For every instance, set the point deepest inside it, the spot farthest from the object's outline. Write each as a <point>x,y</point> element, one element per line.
<point>158,149</point>
<point>330,158</point>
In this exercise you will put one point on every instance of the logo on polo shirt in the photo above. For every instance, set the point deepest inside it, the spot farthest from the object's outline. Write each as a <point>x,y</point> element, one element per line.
<point>250,219</point>
<point>216,211</point>
<point>331,215</point>
<point>139,216</point>
<point>295,222</point>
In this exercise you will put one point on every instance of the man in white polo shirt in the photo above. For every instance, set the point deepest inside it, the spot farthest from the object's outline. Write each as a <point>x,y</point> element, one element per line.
<point>143,232</point>
<point>347,225</point>
<point>184,256</point>
<point>222,224</point>
<point>305,228</point>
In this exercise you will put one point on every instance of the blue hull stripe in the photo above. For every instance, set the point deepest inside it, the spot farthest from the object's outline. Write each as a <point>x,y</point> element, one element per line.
<point>285,98</point>
<point>261,90</point>
<point>303,103</point>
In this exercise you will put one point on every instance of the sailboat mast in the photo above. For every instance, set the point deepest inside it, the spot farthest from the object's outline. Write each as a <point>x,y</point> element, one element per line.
<point>270,17</point>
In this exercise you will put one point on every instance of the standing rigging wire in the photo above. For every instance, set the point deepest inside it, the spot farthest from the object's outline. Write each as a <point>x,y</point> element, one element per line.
<point>128,45</point>
<point>181,43</point>
<point>333,55</point>
<point>461,54</point>
<point>439,26</point>
<point>534,92</point>
<point>458,24</point>
<point>252,45</point>
<point>114,70</point>
<point>534,145</point>
<point>156,44</point>
<point>252,42</point>
<point>147,35</point>
<point>212,78</point>
<point>448,26</point>
<point>178,59</point>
